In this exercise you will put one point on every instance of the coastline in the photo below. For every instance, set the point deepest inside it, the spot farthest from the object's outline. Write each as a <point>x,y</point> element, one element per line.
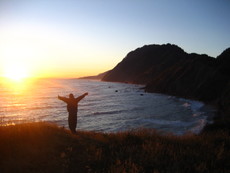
<point>168,69</point>
<point>218,116</point>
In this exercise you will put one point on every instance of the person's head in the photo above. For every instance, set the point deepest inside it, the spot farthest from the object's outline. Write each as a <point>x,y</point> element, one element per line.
<point>71,96</point>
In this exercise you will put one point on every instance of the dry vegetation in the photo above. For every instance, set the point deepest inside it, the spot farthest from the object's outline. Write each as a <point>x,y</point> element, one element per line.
<point>42,147</point>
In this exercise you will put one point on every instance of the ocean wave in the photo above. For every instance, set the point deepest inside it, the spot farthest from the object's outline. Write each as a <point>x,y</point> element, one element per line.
<point>199,126</point>
<point>108,112</point>
<point>42,107</point>
<point>167,122</point>
<point>195,106</point>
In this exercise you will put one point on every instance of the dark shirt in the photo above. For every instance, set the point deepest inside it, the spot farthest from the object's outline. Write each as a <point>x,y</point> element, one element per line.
<point>72,103</point>
<point>72,106</point>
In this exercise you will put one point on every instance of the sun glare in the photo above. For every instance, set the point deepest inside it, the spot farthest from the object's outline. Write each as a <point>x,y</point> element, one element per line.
<point>16,72</point>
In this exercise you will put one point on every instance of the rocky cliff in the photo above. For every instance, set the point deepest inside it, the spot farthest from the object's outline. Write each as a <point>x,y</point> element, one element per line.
<point>169,69</point>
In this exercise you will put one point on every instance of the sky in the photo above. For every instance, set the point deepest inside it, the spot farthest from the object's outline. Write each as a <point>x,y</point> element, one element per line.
<point>74,38</point>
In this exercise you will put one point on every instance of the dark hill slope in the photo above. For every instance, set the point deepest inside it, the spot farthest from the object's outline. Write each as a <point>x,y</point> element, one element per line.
<point>168,69</point>
<point>141,65</point>
<point>195,77</point>
<point>223,62</point>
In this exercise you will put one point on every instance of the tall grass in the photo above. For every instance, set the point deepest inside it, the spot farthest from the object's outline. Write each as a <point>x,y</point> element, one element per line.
<point>42,147</point>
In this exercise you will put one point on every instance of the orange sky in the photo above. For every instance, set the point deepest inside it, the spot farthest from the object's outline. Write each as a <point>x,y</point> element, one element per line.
<point>51,55</point>
<point>44,53</point>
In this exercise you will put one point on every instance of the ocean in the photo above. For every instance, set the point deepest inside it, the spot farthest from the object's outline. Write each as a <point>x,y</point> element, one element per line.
<point>109,107</point>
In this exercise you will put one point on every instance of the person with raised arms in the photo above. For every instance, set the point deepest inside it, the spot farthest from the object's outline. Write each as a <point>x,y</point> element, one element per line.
<point>72,108</point>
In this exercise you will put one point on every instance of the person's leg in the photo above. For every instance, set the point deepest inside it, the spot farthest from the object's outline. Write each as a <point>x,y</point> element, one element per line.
<point>72,123</point>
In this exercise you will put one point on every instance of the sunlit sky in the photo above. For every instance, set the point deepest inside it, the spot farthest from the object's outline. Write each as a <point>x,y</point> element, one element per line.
<point>54,38</point>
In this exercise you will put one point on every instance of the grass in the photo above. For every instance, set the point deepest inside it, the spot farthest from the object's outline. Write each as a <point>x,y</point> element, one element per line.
<point>43,147</point>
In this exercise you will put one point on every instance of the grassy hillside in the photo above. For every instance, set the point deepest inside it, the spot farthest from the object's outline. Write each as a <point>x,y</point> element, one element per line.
<point>42,147</point>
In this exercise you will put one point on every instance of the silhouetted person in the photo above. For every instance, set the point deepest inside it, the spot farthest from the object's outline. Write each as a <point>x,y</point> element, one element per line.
<point>72,107</point>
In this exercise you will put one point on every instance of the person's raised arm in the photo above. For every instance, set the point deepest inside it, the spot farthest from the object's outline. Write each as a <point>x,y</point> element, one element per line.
<point>81,97</point>
<point>64,99</point>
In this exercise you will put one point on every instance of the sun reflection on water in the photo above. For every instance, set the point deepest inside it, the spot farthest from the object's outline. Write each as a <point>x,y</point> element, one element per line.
<point>18,87</point>
<point>16,96</point>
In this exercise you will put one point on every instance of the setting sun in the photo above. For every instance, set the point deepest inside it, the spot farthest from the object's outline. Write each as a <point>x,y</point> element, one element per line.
<point>16,72</point>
